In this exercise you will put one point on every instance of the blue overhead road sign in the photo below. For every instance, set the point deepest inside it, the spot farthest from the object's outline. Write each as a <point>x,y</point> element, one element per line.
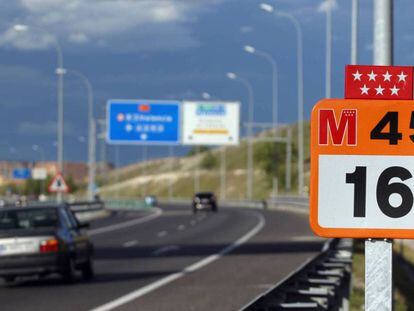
<point>143,122</point>
<point>22,173</point>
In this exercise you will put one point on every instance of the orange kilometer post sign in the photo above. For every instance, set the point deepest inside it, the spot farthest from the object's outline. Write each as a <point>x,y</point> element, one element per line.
<point>362,157</point>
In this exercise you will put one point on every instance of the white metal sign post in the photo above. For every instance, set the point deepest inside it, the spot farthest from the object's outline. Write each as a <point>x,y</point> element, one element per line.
<point>362,176</point>
<point>378,253</point>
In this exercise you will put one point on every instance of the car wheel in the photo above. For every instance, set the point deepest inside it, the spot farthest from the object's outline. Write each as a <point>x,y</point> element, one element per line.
<point>87,270</point>
<point>69,275</point>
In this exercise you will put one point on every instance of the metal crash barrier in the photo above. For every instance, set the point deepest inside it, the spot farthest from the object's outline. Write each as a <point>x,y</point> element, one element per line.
<point>114,204</point>
<point>322,283</point>
<point>86,206</point>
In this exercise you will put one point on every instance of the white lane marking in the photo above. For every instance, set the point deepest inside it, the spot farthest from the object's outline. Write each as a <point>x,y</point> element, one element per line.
<point>165,249</point>
<point>193,222</point>
<point>172,277</point>
<point>157,212</point>
<point>181,227</point>
<point>130,243</point>
<point>162,233</point>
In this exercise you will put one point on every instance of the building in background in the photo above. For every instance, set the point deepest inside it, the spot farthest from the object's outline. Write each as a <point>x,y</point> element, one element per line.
<point>78,171</point>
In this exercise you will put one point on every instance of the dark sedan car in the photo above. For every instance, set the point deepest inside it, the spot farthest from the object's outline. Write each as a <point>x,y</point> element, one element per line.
<point>41,241</point>
<point>204,200</point>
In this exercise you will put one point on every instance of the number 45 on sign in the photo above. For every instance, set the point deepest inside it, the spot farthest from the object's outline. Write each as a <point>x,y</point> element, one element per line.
<point>362,168</point>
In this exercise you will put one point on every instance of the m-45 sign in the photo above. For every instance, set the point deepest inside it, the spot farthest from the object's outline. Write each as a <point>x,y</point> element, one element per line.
<point>362,168</point>
<point>337,130</point>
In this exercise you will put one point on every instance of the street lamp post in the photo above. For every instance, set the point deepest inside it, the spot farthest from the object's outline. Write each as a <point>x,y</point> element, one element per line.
<point>354,33</point>
<point>170,180</point>
<point>249,180</point>
<point>270,9</point>
<point>91,134</point>
<point>144,169</point>
<point>60,71</point>
<point>41,151</point>
<point>252,50</point>
<point>328,59</point>
<point>206,95</point>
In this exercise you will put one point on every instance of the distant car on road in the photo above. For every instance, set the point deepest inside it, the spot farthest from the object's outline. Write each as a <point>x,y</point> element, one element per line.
<point>42,241</point>
<point>151,200</point>
<point>204,200</point>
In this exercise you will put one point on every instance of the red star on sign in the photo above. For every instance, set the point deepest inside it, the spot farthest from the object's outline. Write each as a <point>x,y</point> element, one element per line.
<point>379,82</point>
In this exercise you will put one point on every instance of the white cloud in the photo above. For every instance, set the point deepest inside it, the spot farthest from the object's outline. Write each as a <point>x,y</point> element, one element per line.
<point>96,21</point>
<point>26,41</point>
<point>78,37</point>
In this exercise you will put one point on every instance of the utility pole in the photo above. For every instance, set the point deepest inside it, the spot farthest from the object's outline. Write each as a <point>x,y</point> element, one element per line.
<point>144,169</point>
<point>197,170</point>
<point>288,165</point>
<point>92,160</point>
<point>250,118</point>
<point>117,165</point>
<point>170,180</point>
<point>223,175</point>
<point>378,253</point>
<point>328,49</point>
<point>354,33</point>
<point>91,134</point>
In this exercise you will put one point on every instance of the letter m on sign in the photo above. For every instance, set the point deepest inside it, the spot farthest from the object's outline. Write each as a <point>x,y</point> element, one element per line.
<point>330,127</point>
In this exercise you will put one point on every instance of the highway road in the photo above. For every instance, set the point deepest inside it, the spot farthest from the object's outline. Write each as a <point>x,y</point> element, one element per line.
<point>170,259</point>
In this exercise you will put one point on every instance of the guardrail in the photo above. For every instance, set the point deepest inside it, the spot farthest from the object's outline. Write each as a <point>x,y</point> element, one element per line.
<point>86,206</point>
<point>116,204</point>
<point>225,203</point>
<point>290,200</point>
<point>322,283</point>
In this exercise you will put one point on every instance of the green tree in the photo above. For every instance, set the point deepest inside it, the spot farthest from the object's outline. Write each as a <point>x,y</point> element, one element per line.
<point>209,161</point>
<point>271,158</point>
<point>73,187</point>
<point>193,150</point>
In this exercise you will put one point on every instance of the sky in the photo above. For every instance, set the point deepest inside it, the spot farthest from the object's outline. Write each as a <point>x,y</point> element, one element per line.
<point>156,49</point>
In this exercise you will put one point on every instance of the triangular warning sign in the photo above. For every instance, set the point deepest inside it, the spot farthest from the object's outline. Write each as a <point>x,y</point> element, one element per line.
<point>58,184</point>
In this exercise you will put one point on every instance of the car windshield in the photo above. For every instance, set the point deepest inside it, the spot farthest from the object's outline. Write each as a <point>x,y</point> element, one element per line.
<point>206,195</point>
<point>28,218</point>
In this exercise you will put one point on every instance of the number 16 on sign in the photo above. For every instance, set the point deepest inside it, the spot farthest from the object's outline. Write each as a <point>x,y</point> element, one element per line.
<point>362,168</point>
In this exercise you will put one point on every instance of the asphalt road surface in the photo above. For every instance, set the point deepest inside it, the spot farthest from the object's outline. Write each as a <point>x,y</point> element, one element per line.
<point>170,259</point>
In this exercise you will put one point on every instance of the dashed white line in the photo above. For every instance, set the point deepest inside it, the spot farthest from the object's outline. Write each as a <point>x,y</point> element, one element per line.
<point>130,243</point>
<point>157,212</point>
<point>165,249</point>
<point>193,222</point>
<point>172,277</point>
<point>181,227</point>
<point>162,234</point>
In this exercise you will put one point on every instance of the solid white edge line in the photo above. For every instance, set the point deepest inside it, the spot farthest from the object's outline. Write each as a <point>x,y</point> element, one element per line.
<point>172,277</point>
<point>130,243</point>
<point>157,212</point>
